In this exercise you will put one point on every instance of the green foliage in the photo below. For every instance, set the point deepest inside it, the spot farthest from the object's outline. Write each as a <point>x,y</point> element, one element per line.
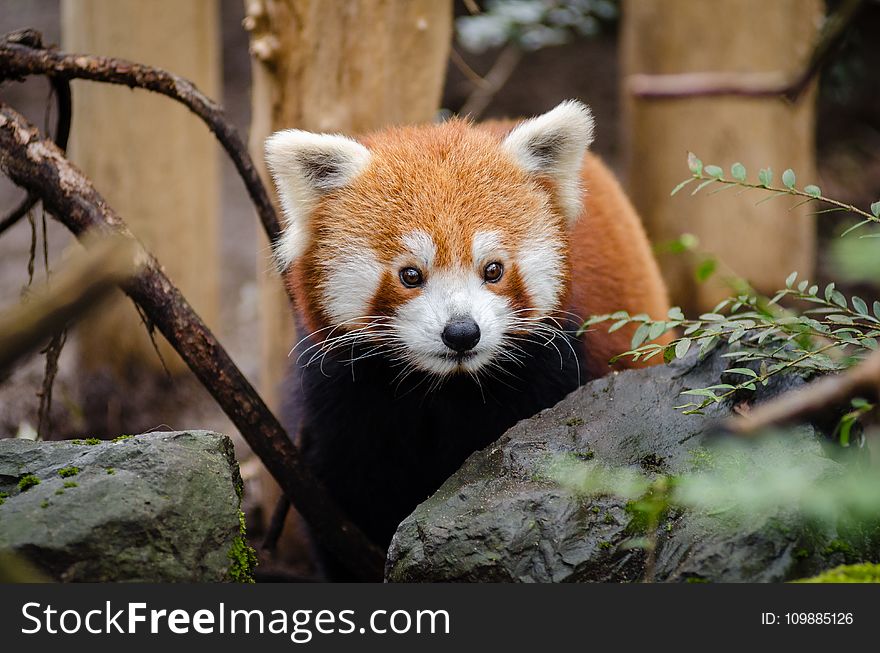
<point>27,482</point>
<point>735,485</point>
<point>763,338</point>
<point>862,573</point>
<point>713,174</point>
<point>67,472</point>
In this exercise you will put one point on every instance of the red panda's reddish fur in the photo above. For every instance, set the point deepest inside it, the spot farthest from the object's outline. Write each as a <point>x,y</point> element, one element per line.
<point>609,264</point>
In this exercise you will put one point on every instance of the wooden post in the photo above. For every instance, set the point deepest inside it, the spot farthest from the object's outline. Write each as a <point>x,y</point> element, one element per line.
<point>154,162</point>
<point>765,243</point>
<point>346,66</point>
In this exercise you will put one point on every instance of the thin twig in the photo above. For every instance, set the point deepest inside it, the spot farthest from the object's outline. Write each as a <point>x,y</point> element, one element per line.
<point>276,524</point>
<point>473,76</point>
<point>472,7</point>
<point>765,84</point>
<point>38,165</point>
<point>21,57</point>
<point>61,88</point>
<point>494,80</point>
<point>44,412</point>
<point>829,392</point>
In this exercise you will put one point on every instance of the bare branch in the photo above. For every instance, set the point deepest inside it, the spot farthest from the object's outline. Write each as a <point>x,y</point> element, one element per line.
<point>23,57</point>
<point>38,165</point>
<point>766,84</point>
<point>494,80</point>
<point>61,89</point>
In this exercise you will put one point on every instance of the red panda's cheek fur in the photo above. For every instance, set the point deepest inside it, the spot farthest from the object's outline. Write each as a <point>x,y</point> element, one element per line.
<point>512,288</point>
<point>389,295</point>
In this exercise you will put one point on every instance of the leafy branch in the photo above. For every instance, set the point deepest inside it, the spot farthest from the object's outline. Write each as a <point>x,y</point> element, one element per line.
<point>764,338</point>
<point>713,174</point>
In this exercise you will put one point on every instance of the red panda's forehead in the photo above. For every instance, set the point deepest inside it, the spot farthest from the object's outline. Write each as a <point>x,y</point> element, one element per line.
<point>449,181</point>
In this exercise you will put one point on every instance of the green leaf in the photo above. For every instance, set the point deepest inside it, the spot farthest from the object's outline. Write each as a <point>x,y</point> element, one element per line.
<point>614,327</point>
<point>802,286</point>
<point>714,171</point>
<point>668,354</point>
<point>695,165</point>
<point>682,347</point>
<point>765,176</point>
<point>828,290</point>
<point>877,310</point>
<point>813,191</point>
<point>745,371</point>
<point>656,330</point>
<point>788,178</point>
<point>790,279</point>
<point>702,185</point>
<point>813,290</point>
<point>705,269</point>
<point>859,304</point>
<point>701,392</point>
<point>681,185</point>
<point>838,298</point>
<point>711,317</point>
<point>640,335</point>
<point>875,208</point>
<point>675,313</point>
<point>738,171</point>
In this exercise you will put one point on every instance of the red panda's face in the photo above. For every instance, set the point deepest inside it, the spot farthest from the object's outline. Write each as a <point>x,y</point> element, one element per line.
<point>436,246</point>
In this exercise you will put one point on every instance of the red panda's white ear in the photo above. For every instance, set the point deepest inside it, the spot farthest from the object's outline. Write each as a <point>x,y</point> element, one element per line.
<point>305,166</point>
<point>553,145</point>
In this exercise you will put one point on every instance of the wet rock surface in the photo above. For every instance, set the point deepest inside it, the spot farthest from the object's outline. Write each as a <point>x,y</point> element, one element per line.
<point>159,507</point>
<point>500,518</point>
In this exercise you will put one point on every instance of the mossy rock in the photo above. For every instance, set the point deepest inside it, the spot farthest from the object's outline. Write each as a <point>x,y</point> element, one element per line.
<point>501,518</point>
<point>168,512</point>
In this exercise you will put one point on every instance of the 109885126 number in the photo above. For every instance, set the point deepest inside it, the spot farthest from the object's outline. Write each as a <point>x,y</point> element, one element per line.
<point>818,618</point>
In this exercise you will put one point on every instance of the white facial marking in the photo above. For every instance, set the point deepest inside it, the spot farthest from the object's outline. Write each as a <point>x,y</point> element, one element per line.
<point>487,247</point>
<point>421,247</point>
<point>352,277</point>
<point>447,294</point>
<point>539,261</point>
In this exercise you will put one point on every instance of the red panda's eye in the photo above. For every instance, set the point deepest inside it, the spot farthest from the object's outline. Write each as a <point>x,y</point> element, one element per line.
<point>411,277</point>
<point>492,272</point>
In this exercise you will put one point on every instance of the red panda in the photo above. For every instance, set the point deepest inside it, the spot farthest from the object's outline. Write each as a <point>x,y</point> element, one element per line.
<point>440,274</point>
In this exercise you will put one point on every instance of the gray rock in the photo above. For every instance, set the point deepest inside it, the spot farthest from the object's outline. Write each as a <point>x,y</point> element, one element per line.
<point>500,518</point>
<point>158,507</point>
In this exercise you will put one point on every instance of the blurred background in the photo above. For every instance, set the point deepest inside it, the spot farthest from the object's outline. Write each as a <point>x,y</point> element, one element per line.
<point>362,64</point>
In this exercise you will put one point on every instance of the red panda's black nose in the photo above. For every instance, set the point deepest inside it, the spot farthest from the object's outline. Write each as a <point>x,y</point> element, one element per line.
<point>461,334</point>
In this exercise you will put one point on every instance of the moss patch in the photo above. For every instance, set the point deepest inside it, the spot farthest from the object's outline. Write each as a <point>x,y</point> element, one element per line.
<point>122,438</point>
<point>67,472</point>
<point>71,484</point>
<point>865,572</point>
<point>27,482</point>
<point>242,556</point>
